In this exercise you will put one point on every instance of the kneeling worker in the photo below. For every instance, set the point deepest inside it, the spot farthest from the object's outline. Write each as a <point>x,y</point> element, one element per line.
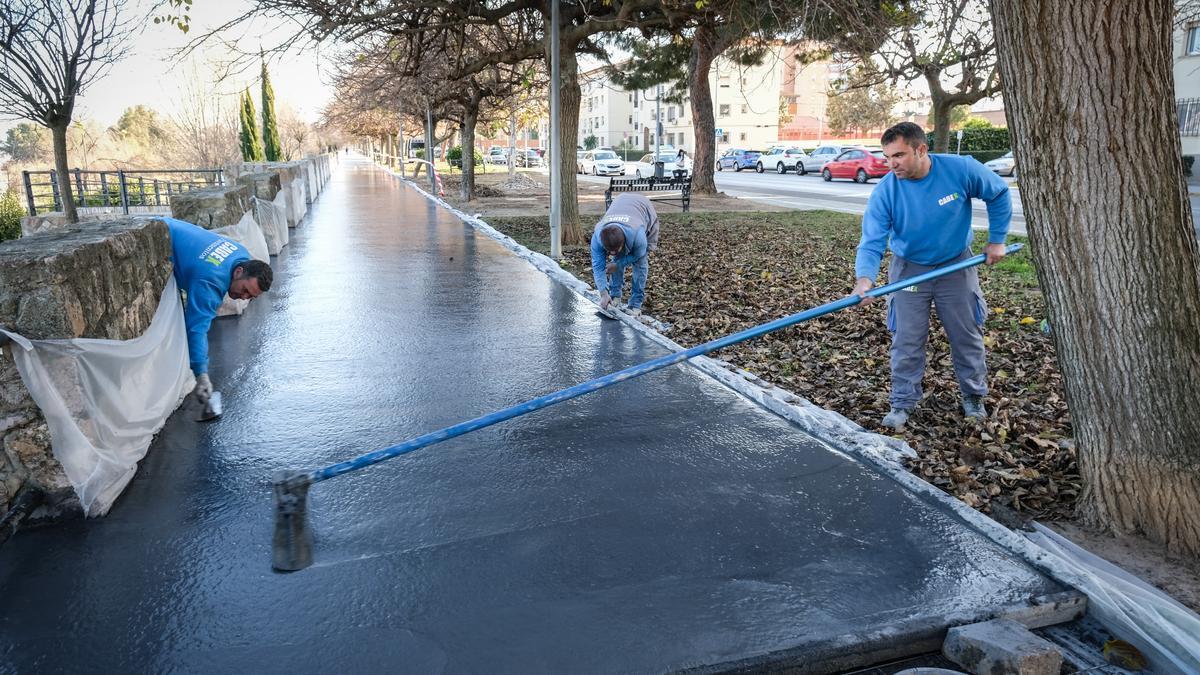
<point>627,233</point>
<point>208,266</point>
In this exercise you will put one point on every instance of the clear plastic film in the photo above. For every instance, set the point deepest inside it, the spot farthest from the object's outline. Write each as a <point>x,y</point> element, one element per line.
<point>104,400</point>
<point>1166,632</point>
<point>272,218</point>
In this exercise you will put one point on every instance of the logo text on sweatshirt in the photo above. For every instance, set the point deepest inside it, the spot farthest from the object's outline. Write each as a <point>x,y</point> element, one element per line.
<point>948,198</point>
<point>218,252</point>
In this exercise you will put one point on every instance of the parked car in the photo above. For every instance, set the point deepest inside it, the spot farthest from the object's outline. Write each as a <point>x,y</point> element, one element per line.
<point>644,167</point>
<point>496,156</point>
<point>780,159</point>
<point>529,158</point>
<point>819,157</point>
<point>579,161</point>
<point>603,163</point>
<point>1004,166</point>
<point>860,163</point>
<point>738,159</point>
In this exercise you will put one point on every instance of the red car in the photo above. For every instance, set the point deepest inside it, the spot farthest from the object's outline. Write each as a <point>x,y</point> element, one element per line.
<point>861,163</point>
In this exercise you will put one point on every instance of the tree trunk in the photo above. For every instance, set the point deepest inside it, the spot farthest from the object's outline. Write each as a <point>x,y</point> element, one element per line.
<point>568,117</point>
<point>941,124</point>
<point>1116,254</point>
<point>430,132</point>
<point>470,118</point>
<point>512,145</point>
<point>401,152</point>
<point>62,173</point>
<point>704,157</point>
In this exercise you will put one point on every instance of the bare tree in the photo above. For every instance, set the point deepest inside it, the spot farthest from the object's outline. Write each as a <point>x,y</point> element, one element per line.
<point>1116,254</point>
<point>206,122</point>
<point>949,45</point>
<point>50,51</point>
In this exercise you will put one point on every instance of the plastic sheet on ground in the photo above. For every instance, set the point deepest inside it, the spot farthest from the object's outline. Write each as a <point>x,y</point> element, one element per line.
<point>272,218</point>
<point>1164,630</point>
<point>104,400</point>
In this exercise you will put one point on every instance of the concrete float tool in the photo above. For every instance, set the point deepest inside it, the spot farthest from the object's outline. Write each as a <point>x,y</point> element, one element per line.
<point>292,546</point>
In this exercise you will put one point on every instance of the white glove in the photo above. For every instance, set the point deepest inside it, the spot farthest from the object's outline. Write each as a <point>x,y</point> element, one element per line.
<point>203,390</point>
<point>605,299</point>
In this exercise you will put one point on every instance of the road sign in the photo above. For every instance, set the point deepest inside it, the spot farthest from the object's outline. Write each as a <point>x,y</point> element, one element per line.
<point>720,131</point>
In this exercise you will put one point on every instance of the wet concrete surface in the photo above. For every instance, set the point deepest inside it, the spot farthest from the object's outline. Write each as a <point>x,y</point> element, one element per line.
<point>661,524</point>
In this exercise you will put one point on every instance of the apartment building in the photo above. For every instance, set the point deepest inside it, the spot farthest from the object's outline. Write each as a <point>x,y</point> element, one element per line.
<point>605,110</point>
<point>1187,86</point>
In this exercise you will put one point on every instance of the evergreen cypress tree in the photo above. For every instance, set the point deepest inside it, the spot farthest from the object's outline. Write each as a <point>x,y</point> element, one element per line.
<point>252,150</point>
<point>271,144</point>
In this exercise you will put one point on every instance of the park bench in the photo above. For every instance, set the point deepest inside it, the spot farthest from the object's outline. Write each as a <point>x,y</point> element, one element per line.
<point>680,182</point>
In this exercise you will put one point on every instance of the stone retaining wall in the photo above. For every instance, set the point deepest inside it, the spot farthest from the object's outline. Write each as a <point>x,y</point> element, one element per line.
<point>96,280</point>
<point>212,208</point>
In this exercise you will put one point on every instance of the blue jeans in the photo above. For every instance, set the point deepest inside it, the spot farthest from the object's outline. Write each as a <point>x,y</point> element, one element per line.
<point>641,269</point>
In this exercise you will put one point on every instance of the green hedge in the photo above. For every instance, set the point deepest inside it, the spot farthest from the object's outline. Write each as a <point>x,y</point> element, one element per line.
<point>454,156</point>
<point>978,139</point>
<point>11,212</point>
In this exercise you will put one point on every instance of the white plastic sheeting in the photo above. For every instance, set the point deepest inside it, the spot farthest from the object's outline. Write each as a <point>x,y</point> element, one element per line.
<point>104,400</point>
<point>272,218</point>
<point>247,233</point>
<point>1164,630</point>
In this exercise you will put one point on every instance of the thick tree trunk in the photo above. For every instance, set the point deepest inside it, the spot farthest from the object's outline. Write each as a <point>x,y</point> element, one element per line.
<point>704,158</point>
<point>430,141</point>
<point>470,118</point>
<point>62,173</point>
<point>568,117</point>
<point>1116,254</point>
<point>941,124</point>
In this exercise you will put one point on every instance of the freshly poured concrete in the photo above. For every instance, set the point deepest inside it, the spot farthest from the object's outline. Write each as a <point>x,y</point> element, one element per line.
<point>658,525</point>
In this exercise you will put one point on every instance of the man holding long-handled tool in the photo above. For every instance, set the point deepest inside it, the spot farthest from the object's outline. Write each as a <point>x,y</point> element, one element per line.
<point>924,207</point>
<point>624,237</point>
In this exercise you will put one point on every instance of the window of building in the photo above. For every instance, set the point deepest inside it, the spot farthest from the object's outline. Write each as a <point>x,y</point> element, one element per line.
<point>723,110</point>
<point>1193,41</point>
<point>745,108</point>
<point>723,138</point>
<point>631,119</point>
<point>742,136</point>
<point>670,139</point>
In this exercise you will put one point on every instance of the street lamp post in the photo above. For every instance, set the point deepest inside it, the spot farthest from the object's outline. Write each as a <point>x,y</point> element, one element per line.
<point>556,150</point>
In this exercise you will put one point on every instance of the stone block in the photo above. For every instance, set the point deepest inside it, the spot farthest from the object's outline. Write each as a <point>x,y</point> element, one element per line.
<point>96,280</point>
<point>262,184</point>
<point>1001,647</point>
<point>211,208</point>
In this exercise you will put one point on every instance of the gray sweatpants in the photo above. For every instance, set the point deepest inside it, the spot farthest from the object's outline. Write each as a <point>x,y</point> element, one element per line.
<point>960,308</point>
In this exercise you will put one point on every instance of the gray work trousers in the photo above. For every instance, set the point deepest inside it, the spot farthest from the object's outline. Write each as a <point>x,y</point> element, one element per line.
<point>960,308</point>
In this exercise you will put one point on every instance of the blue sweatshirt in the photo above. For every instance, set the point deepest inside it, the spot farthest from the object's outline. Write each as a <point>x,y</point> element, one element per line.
<point>929,220</point>
<point>635,248</point>
<point>202,263</point>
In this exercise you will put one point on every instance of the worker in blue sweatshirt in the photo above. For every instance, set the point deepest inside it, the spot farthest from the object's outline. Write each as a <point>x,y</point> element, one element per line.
<point>924,207</point>
<point>207,267</point>
<point>624,237</point>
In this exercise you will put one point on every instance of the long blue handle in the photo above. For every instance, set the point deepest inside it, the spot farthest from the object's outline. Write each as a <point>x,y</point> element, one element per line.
<point>631,372</point>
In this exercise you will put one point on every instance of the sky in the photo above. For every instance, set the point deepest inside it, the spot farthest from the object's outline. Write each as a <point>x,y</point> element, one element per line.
<point>151,75</point>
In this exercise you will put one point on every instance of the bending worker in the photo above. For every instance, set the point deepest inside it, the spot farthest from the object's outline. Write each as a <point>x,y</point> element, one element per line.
<point>924,207</point>
<point>624,237</point>
<point>208,266</point>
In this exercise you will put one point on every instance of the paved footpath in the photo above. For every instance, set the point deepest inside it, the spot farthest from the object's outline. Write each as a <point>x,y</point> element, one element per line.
<point>662,524</point>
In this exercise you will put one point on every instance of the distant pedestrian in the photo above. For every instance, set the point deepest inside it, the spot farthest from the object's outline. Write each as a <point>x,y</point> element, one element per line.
<point>681,160</point>
<point>923,208</point>
<point>624,237</point>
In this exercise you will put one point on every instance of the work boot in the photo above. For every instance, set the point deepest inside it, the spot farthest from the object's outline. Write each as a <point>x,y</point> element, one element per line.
<point>973,407</point>
<point>634,312</point>
<point>896,418</point>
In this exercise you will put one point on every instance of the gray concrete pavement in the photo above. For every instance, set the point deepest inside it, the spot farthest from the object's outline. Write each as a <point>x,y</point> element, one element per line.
<point>659,525</point>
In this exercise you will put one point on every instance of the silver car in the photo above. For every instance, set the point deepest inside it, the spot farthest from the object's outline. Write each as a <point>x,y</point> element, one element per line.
<point>1004,166</point>
<point>818,158</point>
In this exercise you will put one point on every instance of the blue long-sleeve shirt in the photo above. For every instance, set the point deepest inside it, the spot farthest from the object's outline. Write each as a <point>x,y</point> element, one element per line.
<point>202,263</point>
<point>929,220</point>
<point>634,249</point>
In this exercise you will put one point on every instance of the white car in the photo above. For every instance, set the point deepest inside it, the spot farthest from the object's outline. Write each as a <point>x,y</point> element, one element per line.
<point>782,160</point>
<point>602,163</point>
<point>818,158</point>
<point>644,167</point>
<point>496,156</point>
<point>1004,166</point>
